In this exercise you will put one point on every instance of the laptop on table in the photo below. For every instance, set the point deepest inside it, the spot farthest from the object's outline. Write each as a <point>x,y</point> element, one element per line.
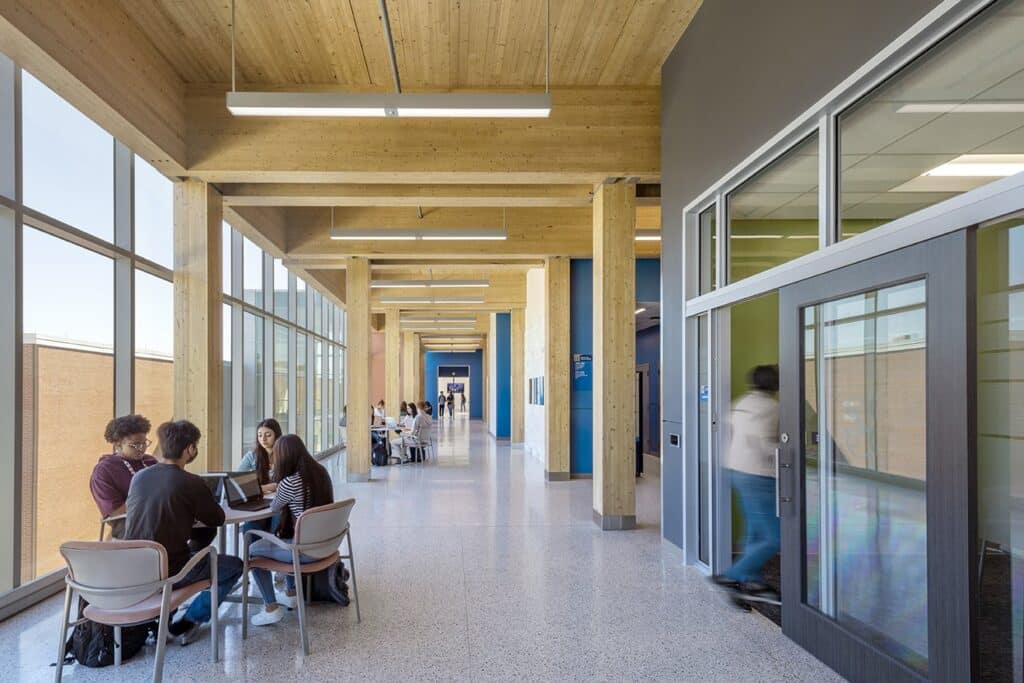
<point>243,491</point>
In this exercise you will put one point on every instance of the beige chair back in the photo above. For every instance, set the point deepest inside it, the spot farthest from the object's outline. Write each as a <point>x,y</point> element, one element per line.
<point>319,530</point>
<point>115,574</point>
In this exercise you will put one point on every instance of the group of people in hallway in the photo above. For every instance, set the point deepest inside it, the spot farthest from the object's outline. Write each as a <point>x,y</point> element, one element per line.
<point>412,429</point>
<point>154,498</point>
<point>448,401</point>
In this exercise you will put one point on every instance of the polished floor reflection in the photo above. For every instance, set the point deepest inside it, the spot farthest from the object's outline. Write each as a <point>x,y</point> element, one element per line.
<point>473,568</point>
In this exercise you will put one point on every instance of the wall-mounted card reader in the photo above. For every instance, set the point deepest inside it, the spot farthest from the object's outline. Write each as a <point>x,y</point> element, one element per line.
<point>673,440</point>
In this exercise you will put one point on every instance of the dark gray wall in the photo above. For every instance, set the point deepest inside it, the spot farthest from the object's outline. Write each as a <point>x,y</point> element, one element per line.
<point>741,72</point>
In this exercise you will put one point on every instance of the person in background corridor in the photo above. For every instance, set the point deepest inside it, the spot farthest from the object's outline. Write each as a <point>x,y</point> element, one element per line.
<point>440,405</point>
<point>751,457</point>
<point>463,400</point>
<point>451,404</point>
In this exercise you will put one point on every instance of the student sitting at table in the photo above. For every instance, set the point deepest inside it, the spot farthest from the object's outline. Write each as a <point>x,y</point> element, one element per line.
<point>260,460</point>
<point>303,483</point>
<point>164,502</point>
<point>113,474</point>
<point>406,426</point>
<point>419,433</point>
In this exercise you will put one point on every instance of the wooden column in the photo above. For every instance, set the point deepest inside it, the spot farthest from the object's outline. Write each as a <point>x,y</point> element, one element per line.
<point>357,379</point>
<point>198,364</point>
<point>392,362</point>
<point>614,356</point>
<point>411,385</point>
<point>486,369</point>
<point>557,365</point>
<point>518,373</point>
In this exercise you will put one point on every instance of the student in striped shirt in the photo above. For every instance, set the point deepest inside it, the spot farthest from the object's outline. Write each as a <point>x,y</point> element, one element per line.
<point>302,483</point>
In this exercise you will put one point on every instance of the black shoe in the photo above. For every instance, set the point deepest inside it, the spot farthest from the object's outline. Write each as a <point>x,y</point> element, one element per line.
<point>759,592</point>
<point>725,582</point>
<point>180,626</point>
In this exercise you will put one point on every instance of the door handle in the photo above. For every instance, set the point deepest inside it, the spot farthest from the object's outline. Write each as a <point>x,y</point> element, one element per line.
<point>779,498</point>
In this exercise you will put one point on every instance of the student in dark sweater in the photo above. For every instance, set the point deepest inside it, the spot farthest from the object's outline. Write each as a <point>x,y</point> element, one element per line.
<point>164,502</point>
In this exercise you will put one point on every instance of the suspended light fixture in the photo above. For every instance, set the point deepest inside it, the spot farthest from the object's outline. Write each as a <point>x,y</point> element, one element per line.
<point>648,236</point>
<point>398,104</point>
<point>426,234</point>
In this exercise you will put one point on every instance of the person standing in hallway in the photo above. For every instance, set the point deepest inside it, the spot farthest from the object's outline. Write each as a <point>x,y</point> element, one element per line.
<point>751,457</point>
<point>440,404</point>
<point>462,408</point>
<point>451,405</point>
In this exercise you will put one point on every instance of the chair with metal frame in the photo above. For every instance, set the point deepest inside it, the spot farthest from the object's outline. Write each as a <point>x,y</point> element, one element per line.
<point>109,521</point>
<point>126,584</point>
<point>319,533</point>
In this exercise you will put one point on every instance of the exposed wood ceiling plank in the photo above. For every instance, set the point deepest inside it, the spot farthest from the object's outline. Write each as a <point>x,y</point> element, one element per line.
<point>592,134</point>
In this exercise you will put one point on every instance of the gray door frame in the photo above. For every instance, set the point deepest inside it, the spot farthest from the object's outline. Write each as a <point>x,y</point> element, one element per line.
<point>947,263</point>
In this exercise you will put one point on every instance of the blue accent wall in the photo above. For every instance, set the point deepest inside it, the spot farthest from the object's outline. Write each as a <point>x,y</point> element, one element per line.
<point>474,360</point>
<point>503,375</point>
<point>581,341</point>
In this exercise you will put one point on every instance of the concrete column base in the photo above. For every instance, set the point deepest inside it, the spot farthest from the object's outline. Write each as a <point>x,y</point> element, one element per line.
<point>614,522</point>
<point>556,476</point>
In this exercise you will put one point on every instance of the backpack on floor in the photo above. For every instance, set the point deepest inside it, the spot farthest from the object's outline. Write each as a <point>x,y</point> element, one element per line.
<point>380,455</point>
<point>92,644</point>
<point>330,585</point>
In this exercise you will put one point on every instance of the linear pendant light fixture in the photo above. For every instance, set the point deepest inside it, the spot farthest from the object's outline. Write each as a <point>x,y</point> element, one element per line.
<point>398,104</point>
<point>426,234</point>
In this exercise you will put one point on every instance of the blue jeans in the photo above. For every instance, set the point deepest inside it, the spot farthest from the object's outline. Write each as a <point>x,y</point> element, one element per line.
<point>259,525</point>
<point>229,571</point>
<point>263,578</point>
<point>757,497</point>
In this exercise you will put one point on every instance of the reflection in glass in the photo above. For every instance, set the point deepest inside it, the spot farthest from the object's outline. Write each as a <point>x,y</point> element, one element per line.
<point>252,273</point>
<point>67,388</point>
<point>67,161</point>
<point>154,214</point>
<point>865,455</point>
<point>707,262</point>
<point>154,348</point>
<point>300,385</point>
<point>280,289</point>
<point>703,440</point>
<point>318,385</point>
<point>947,123</point>
<point>252,379</point>
<point>773,217</point>
<point>1000,253</point>
<point>300,302</point>
<point>281,375</point>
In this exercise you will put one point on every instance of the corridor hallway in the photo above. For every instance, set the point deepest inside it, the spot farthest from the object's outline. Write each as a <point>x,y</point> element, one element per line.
<point>472,568</point>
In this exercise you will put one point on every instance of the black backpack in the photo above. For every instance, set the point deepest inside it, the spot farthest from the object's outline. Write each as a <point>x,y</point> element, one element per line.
<point>380,455</point>
<point>331,585</point>
<point>92,644</point>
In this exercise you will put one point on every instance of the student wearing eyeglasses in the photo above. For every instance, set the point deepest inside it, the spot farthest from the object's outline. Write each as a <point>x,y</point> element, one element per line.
<point>113,474</point>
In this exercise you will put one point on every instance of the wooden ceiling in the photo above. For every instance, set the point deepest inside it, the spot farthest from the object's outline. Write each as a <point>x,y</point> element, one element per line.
<point>439,44</point>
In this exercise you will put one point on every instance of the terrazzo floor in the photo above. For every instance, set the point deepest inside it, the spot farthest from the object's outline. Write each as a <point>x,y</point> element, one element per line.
<point>474,569</point>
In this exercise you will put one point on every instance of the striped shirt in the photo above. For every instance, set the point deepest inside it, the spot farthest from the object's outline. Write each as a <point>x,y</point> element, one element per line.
<point>290,492</point>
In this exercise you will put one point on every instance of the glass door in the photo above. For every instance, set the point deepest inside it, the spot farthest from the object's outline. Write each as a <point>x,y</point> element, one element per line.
<point>873,464</point>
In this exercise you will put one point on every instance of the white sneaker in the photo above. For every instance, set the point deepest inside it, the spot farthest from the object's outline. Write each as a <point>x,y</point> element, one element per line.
<point>266,618</point>
<point>286,600</point>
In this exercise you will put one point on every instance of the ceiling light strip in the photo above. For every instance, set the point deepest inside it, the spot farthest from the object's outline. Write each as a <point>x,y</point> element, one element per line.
<point>369,234</point>
<point>403,105</point>
<point>648,235</point>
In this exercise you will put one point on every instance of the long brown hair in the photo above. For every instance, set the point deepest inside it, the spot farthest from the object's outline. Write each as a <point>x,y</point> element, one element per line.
<point>260,453</point>
<point>291,457</point>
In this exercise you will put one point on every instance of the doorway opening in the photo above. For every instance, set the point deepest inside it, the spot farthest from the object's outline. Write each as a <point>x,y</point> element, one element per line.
<point>453,391</point>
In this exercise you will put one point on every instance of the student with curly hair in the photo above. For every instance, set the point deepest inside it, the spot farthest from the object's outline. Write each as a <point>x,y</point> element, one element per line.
<point>112,475</point>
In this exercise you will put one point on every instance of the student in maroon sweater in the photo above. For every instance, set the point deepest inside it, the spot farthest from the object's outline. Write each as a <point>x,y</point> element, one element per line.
<point>113,474</point>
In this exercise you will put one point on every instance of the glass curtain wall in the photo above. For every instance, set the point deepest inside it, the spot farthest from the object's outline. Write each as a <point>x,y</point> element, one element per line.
<point>97,327</point>
<point>94,278</point>
<point>281,314</point>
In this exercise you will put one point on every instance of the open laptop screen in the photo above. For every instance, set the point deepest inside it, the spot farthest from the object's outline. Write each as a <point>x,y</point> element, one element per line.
<point>243,486</point>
